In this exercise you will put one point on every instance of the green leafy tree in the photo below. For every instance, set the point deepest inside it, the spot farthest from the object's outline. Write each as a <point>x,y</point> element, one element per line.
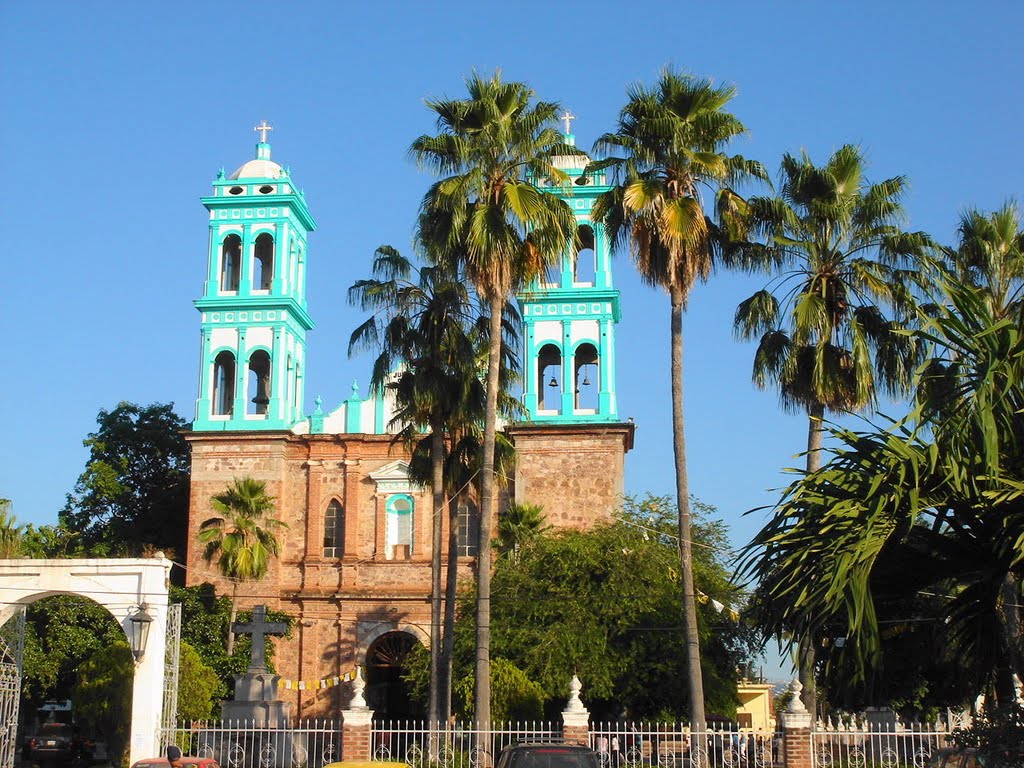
<point>133,494</point>
<point>242,537</point>
<point>61,632</point>
<point>518,525</point>
<point>990,254</point>
<point>486,213</point>
<point>604,603</point>
<point>840,260</point>
<point>103,698</point>
<point>670,141</point>
<point>198,685</point>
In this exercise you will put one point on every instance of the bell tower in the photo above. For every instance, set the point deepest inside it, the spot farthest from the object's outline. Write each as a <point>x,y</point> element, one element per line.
<point>571,446</point>
<point>253,308</point>
<point>570,314</point>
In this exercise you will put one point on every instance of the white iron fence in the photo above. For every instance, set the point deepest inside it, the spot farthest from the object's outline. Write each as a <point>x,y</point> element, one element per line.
<point>675,745</point>
<point>858,745</point>
<point>458,745</point>
<point>309,744</point>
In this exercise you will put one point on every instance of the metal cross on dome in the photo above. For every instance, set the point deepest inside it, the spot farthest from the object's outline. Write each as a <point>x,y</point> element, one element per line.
<point>567,117</point>
<point>263,127</point>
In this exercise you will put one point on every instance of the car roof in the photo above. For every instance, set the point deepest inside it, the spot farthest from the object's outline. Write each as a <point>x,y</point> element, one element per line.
<point>162,762</point>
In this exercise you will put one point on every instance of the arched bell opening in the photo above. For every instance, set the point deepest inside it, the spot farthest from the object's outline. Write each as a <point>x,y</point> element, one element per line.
<point>224,384</point>
<point>263,262</point>
<point>587,378</point>
<point>230,263</point>
<point>259,383</point>
<point>585,260</point>
<point>549,379</point>
<point>387,694</point>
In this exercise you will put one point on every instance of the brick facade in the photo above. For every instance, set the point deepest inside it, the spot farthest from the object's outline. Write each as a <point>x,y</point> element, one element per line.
<point>343,604</point>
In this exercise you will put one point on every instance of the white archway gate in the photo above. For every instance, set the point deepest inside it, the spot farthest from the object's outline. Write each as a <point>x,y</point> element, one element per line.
<point>121,586</point>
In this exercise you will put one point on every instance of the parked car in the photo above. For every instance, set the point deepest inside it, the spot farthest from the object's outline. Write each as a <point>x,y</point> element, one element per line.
<point>547,756</point>
<point>966,757</point>
<point>58,743</point>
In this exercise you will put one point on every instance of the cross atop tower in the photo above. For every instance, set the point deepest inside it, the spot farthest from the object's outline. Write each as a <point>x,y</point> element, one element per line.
<point>263,127</point>
<point>567,117</point>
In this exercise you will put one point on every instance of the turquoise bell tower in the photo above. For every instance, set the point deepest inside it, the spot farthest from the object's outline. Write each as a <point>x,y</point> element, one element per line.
<point>253,308</point>
<point>570,315</point>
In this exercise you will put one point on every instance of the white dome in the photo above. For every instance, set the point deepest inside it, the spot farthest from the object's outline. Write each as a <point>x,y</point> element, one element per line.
<point>257,169</point>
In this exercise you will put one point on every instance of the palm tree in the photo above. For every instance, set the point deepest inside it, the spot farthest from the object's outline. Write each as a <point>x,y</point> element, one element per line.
<point>991,254</point>
<point>10,531</point>
<point>836,246</point>
<point>519,524</point>
<point>486,213</point>
<point>241,537</point>
<point>423,326</point>
<point>669,142</point>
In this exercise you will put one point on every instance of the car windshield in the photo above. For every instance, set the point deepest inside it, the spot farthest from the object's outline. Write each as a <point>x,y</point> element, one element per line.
<point>552,757</point>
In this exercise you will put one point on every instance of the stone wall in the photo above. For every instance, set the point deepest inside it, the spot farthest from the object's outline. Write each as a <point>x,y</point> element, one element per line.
<point>575,471</point>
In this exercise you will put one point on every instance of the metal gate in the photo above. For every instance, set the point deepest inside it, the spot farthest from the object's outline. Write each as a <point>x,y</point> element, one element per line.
<point>12,645</point>
<point>172,658</point>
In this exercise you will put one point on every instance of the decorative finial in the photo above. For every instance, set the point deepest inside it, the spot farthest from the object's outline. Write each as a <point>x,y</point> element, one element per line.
<point>318,401</point>
<point>796,704</point>
<point>221,174</point>
<point>263,127</point>
<point>358,686</point>
<point>574,704</point>
<point>567,118</point>
<point>355,390</point>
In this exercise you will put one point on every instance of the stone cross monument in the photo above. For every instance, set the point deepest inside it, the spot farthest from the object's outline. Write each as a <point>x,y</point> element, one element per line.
<point>256,690</point>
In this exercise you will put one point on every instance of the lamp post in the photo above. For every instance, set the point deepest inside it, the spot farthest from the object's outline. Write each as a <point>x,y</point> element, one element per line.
<point>139,623</point>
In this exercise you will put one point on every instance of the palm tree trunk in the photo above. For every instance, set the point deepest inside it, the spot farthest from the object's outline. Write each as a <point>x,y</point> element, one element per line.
<point>806,650</point>
<point>448,635</point>
<point>437,483</point>
<point>1006,691</point>
<point>234,616</point>
<point>697,719</point>
<point>482,702</point>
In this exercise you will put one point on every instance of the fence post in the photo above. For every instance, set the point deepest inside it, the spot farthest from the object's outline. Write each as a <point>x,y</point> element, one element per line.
<point>357,724</point>
<point>575,716</point>
<point>796,732</point>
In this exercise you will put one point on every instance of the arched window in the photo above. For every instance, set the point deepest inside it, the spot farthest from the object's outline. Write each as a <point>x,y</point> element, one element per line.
<point>334,530</point>
<point>259,382</point>
<point>585,262</point>
<point>399,510</point>
<point>469,529</point>
<point>230,263</point>
<point>224,384</point>
<point>263,265</point>
<point>587,379</point>
<point>549,379</point>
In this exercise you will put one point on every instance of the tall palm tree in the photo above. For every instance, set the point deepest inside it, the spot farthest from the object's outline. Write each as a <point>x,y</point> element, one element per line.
<point>669,143</point>
<point>840,259</point>
<point>486,212</point>
<point>241,537</point>
<point>423,326</point>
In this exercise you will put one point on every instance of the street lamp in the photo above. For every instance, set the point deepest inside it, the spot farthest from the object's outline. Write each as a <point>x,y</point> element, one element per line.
<point>139,623</point>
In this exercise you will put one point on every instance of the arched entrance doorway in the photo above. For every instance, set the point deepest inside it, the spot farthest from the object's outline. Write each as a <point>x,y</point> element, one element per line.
<point>387,694</point>
<point>124,587</point>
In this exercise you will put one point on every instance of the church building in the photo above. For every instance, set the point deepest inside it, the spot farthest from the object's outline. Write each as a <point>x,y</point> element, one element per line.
<point>354,567</point>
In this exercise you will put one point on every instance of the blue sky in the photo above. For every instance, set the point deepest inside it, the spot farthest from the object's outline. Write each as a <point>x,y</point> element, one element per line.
<point>116,117</point>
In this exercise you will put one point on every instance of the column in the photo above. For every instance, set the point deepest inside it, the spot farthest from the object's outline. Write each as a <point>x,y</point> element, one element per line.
<point>796,731</point>
<point>575,716</point>
<point>356,725</point>
<point>241,377</point>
